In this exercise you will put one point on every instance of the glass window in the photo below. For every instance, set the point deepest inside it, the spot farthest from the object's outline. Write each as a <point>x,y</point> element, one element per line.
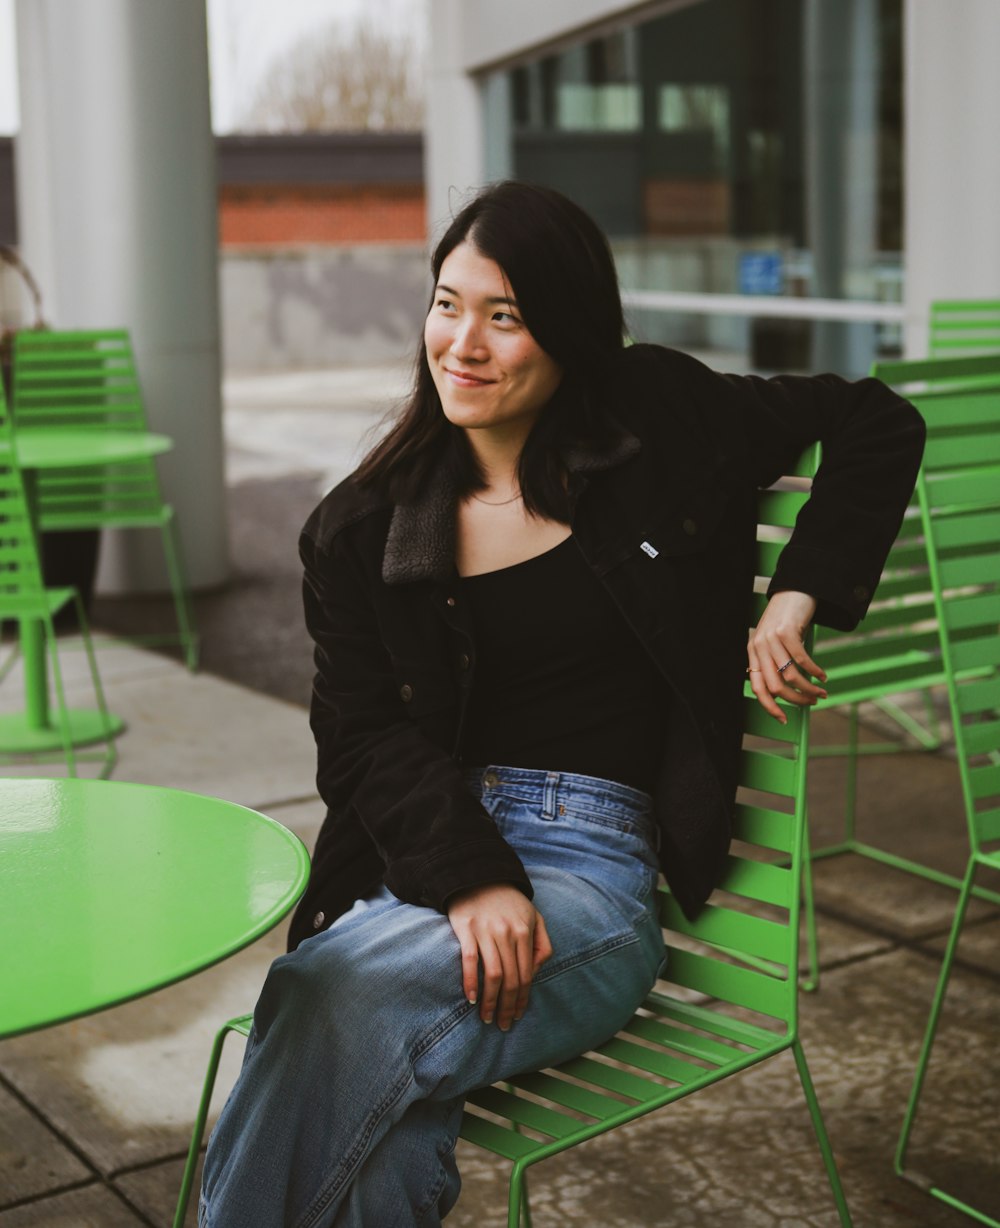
<point>735,147</point>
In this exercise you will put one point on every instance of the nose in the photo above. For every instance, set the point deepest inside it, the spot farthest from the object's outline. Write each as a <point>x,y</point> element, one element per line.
<point>467,342</point>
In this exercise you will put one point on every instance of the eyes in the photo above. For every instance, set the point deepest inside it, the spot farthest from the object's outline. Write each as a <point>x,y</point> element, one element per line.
<point>448,307</point>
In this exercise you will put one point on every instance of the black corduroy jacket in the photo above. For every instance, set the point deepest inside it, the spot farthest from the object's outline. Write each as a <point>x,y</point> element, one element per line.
<point>666,520</point>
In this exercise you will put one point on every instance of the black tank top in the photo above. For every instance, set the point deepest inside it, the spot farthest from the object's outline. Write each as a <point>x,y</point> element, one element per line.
<point>561,682</point>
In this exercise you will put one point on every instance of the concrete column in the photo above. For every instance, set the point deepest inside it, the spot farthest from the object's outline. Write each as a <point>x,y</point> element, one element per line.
<point>952,100</point>
<point>454,136</point>
<point>840,71</point>
<point>117,216</point>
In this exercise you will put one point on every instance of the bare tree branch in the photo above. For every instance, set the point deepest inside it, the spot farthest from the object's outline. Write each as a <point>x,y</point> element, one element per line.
<point>364,78</point>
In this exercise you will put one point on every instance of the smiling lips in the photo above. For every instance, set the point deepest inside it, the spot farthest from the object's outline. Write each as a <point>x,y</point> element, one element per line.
<point>465,379</point>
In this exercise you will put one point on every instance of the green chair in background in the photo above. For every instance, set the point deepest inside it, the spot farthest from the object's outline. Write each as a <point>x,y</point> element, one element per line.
<point>959,495</point>
<point>729,997</point>
<point>26,601</point>
<point>88,380</point>
<point>897,648</point>
<point>963,326</point>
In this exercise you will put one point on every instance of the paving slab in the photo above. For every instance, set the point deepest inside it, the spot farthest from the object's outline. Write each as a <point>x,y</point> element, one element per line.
<point>93,1207</point>
<point>32,1157</point>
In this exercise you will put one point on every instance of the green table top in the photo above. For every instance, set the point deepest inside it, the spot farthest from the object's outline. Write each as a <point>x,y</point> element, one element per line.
<point>67,447</point>
<point>110,890</point>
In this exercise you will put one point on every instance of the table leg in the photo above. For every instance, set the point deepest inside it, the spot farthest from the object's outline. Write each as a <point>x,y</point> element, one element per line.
<point>32,729</point>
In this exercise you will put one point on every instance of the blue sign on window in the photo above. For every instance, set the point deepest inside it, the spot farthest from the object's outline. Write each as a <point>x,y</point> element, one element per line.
<point>760,273</point>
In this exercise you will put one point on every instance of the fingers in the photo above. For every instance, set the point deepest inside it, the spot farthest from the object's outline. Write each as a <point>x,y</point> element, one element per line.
<point>503,940</point>
<point>779,667</point>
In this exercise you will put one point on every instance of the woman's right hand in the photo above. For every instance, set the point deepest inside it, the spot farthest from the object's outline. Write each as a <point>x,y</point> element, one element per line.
<point>498,927</point>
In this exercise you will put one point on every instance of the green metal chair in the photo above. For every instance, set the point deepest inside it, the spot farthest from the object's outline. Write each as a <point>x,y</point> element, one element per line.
<point>25,600</point>
<point>959,495</point>
<point>88,379</point>
<point>897,648</point>
<point>963,326</point>
<point>729,997</point>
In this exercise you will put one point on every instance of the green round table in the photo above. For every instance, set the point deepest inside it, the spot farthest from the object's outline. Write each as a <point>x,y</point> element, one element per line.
<point>110,890</point>
<point>32,729</point>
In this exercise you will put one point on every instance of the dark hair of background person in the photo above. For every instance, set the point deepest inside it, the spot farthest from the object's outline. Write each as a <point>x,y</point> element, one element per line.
<point>559,266</point>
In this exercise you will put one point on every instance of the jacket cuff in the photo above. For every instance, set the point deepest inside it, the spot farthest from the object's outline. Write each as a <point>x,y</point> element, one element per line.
<point>465,867</point>
<point>843,592</point>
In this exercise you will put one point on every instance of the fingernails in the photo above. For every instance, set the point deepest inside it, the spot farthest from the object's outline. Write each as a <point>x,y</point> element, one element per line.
<point>472,998</point>
<point>488,1018</point>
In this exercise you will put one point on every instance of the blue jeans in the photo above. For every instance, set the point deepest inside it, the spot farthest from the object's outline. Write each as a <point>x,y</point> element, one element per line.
<point>363,1045</point>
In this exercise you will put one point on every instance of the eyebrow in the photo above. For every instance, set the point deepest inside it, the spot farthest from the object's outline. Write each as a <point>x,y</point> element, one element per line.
<point>510,302</point>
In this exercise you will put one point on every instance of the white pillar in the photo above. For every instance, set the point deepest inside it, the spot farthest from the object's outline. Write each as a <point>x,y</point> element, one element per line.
<point>117,216</point>
<point>454,137</point>
<point>952,99</point>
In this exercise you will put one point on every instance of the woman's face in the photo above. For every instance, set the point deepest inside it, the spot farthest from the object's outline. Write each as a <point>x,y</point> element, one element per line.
<point>490,373</point>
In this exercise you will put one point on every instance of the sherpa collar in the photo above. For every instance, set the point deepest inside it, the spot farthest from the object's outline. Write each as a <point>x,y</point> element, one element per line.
<point>421,541</point>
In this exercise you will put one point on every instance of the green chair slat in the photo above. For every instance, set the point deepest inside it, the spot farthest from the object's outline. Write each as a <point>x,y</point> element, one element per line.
<point>767,771</point>
<point>759,880</point>
<point>984,780</point>
<point>969,529</point>
<point>780,507</point>
<point>976,697</point>
<point>732,931</point>
<point>693,1044</point>
<point>981,737</point>
<point>971,610</point>
<point>905,372</point>
<point>524,1112</point>
<point>652,1061</point>
<point>709,1019</point>
<point>769,829</point>
<point>987,824</point>
<point>959,571</point>
<point>570,1095</point>
<point>954,450</point>
<point>977,654</point>
<point>612,1078</point>
<point>757,991</point>
<point>961,489</point>
<point>890,651</point>
<point>491,1137</point>
<point>761,724</point>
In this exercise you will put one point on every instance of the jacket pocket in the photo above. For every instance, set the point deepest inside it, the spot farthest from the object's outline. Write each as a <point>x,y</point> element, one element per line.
<point>686,522</point>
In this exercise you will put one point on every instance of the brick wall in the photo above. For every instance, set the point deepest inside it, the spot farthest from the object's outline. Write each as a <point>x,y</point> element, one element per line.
<point>277,214</point>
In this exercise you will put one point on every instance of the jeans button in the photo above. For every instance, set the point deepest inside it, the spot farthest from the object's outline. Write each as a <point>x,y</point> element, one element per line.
<point>491,780</point>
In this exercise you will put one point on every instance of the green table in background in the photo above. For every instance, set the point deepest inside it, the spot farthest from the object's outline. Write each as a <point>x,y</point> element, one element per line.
<point>110,890</point>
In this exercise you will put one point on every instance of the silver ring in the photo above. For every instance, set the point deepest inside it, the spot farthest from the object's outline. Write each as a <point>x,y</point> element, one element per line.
<point>782,668</point>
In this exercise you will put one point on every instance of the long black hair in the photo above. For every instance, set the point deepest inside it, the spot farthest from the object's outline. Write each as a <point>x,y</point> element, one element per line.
<point>560,268</point>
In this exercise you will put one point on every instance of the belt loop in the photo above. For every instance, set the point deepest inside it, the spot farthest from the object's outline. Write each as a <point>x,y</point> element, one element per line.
<point>549,795</point>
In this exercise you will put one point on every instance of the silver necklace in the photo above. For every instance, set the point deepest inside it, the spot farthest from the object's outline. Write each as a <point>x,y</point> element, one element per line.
<point>499,502</point>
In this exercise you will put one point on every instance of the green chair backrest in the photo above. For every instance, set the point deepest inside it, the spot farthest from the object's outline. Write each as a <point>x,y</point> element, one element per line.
<point>964,325</point>
<point>959,494</point>
<point>85,380</point>
<point>21,586</point>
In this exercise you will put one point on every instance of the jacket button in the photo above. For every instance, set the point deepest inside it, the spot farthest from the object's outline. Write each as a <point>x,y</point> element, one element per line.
<point>449,601</point>
<point>406,692</point>
<point>464,661</point>
<point>860,593</point>
<point>318,920</point>
<point>690,526</point>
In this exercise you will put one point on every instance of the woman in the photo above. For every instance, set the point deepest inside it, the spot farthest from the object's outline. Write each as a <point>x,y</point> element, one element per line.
<point>529,606</point>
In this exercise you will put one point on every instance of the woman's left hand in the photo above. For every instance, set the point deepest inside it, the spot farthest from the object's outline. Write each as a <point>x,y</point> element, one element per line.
<point>779,665</point>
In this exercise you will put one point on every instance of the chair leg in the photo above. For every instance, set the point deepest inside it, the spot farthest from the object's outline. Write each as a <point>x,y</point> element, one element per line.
<point>60,690</point>
<point>182,601</point>
<point>110,745</point>
<point>242,1026</point>
<point>826,1151</point>
<point>810,981</point>
<point>932,1025</point>
<point>518,1206</point>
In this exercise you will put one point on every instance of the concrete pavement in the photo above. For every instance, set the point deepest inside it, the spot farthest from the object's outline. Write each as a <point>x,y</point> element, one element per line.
<point>95,1115</point>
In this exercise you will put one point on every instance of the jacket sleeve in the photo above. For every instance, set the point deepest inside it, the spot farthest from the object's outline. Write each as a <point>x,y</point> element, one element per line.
<point>872,443</point>
<point>375,764</point>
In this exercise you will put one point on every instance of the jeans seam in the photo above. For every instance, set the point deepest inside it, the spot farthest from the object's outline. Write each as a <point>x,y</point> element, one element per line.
<point>331,1188</point>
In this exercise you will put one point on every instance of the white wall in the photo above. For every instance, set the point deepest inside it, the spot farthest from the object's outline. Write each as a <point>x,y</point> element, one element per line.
<point>952,101</point>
